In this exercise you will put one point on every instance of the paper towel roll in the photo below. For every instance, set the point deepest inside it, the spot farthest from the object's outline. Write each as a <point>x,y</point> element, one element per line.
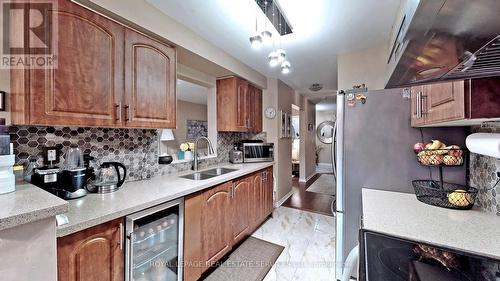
<point>484,143</point>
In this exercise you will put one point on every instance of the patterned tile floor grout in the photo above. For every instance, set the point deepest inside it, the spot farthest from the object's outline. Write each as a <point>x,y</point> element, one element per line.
<point>309,241</point>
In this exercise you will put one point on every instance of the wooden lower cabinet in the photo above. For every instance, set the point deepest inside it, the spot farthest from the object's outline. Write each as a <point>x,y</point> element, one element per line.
<point>92,254</point>
<point>242,190</point>
<point>217,219</point>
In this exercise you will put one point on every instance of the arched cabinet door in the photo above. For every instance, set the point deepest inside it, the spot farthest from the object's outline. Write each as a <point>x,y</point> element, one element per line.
<point>92,254</point>
<point>241,208</point>
<point>216,222</point>
<point>150,75</point>
<point>86,86</point>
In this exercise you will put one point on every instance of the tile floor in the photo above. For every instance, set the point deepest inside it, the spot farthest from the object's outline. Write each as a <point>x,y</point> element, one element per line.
<point>309,241</point>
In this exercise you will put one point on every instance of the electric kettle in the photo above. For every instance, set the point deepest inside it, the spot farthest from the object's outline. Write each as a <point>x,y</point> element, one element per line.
<point>108,178</point>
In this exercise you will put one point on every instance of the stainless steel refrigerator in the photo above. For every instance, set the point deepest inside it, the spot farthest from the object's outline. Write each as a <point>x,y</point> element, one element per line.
<point>373,148</point>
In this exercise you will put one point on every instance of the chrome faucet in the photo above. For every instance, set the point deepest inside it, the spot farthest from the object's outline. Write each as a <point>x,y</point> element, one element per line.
<point>210,151</point>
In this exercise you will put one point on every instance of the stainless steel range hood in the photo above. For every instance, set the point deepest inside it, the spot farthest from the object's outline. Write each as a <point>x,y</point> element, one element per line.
<point>445,40</point>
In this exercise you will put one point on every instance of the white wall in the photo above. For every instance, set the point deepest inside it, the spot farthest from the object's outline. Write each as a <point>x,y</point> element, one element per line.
<point>367,66</point>
<point>307,140</point>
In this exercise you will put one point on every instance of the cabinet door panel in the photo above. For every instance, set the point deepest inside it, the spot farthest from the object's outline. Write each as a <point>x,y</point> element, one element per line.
<point>256,109</point>
<point>149,82</point>
<point>243,105</point>
<point>256,210</point>
<point>216,222</point>
<point>87,84</point>
<point>241,208</point>
<point>268,192</point>
<point>91,254</point>
<point>445,101</point>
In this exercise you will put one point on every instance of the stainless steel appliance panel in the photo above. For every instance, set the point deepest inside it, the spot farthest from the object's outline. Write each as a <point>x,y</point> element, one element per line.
<point>154,249</point>
<point>375,150</point>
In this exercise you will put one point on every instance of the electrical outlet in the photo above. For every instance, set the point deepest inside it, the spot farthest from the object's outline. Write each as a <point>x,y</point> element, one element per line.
<point>51,155</point>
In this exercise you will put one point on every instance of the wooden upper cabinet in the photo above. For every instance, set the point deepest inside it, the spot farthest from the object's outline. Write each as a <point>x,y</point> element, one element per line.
<point>445,101</point>
<point>241,208</point>
<point>255,95</point>
<point>216,223</point>
<point>237,106</point>
<point>106,76</point>
<point>458,103</point>
<point>87,84</point>
<point>92,254</point>
<point>150,76</point>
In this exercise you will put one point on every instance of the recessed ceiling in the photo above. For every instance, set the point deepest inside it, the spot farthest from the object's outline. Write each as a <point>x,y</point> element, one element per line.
<point>190,92</point>
<point>321,30</point>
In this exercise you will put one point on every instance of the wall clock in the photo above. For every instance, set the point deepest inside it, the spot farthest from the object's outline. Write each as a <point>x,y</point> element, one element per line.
<point>270,112</point>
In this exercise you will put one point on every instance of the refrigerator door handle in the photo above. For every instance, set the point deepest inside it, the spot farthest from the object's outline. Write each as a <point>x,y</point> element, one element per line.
<point>333,151</point>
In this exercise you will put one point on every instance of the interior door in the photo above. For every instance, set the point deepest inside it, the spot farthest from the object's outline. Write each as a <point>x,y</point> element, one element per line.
<point>216,222</point>
<point>86,87</point>
<point>150,77</point>
<point>241,206</point>
<point>445,101</point>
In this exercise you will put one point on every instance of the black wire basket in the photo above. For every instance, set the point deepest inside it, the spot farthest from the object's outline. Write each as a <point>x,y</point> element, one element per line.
<point>441,157</point>
<point>446,195</point>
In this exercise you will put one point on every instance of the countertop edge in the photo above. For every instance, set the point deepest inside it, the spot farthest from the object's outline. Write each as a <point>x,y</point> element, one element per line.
<point>33,216</point>
<point>66,230</point>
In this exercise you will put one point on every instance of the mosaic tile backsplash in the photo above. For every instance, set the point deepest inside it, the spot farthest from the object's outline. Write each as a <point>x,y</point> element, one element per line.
<point>483,176</point>
<point>137,149</point>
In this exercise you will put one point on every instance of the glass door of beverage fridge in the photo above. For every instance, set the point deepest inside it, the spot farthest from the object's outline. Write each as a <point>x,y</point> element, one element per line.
<point>154,243</point>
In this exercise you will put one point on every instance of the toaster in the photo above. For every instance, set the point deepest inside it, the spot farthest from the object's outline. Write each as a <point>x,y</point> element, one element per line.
<point>236,156</point>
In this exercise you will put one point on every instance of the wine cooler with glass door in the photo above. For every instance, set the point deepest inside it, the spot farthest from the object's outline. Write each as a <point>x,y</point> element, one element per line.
<point>154,243</point>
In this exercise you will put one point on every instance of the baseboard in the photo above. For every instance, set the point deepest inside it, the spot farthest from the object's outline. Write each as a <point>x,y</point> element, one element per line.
<point>282,200</point>
<point>308,178</point>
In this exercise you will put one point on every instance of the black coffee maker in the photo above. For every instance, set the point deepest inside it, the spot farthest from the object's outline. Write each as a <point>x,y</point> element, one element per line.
<point>73,175</point>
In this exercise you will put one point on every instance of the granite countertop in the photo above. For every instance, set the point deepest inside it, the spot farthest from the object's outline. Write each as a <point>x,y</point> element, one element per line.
<point>402,215</point>
<point>132,197</point>
<point>27,204</point>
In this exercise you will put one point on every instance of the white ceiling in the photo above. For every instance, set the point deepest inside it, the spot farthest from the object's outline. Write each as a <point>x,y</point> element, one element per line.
<point>191,92</point>
<point>321,30</point>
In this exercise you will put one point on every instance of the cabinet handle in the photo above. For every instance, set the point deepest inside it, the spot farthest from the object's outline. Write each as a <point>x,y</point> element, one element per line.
<point>118,112</point>
<point>418,101</point>
<point>422,111</point>
<point>128,112</point>
<point>121,236</point>
<point>231,193</point>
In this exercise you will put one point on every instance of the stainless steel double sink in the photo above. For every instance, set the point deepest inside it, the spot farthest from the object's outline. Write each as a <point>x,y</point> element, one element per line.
<point>203,175</point>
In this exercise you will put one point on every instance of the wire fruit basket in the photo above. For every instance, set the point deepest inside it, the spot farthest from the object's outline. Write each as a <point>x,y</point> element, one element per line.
<point>446,195</point>
<point>441,157</point>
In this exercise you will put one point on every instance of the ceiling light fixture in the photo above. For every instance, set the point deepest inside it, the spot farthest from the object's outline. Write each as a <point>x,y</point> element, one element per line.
<point>256,39</point>
<point>267,36</point>
<point>281,55</point>
<point>273,59</point>
<point>286,67</point>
